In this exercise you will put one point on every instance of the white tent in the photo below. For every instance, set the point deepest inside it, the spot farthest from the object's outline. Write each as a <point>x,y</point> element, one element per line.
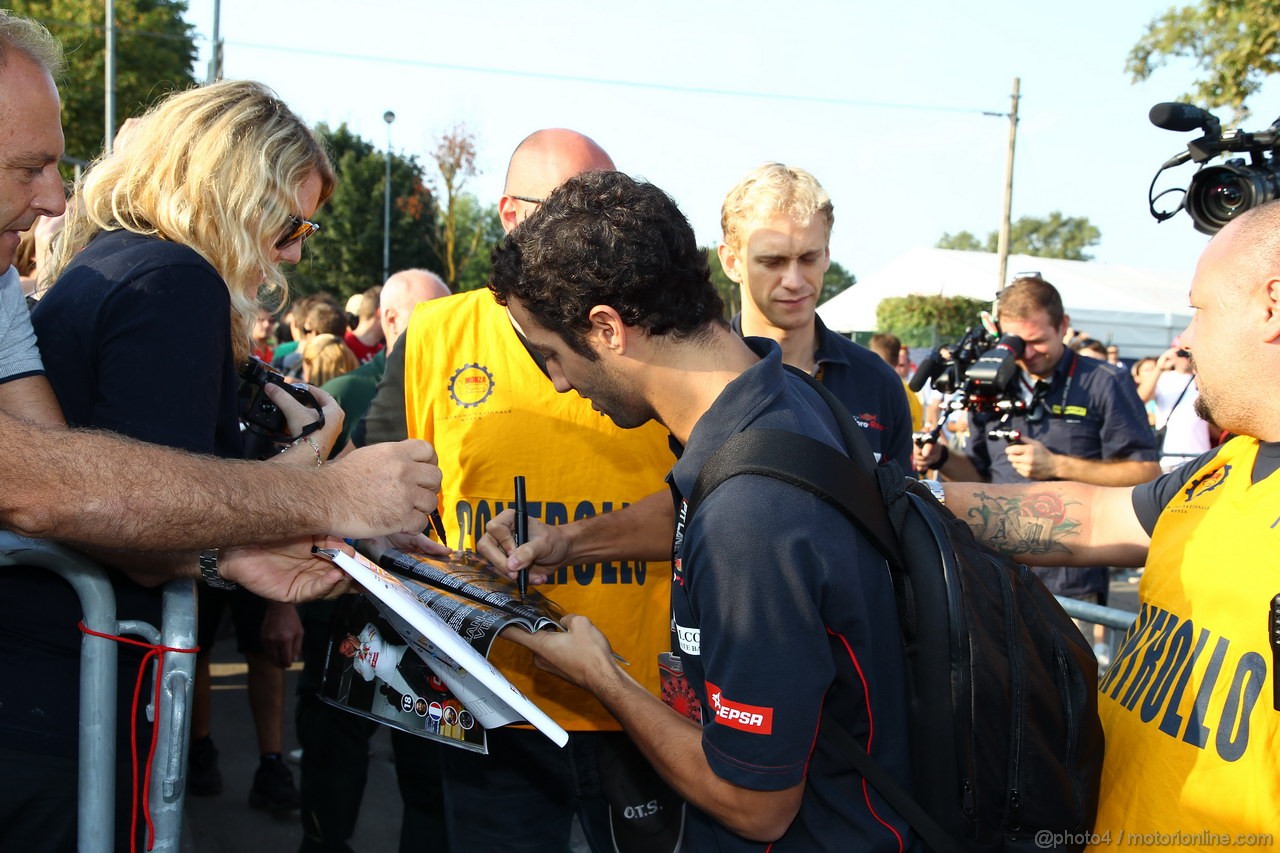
<point>1138,310</point>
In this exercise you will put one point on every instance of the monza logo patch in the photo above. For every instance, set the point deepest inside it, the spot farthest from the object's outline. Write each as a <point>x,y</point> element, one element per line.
<point>471,385</point>
<point>756,719</point>
<point>1207,483</point>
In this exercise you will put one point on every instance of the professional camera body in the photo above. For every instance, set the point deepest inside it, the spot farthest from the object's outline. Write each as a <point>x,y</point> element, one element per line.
<point>1218,194</point>
<point>978,372</point>
<point>263,417</point>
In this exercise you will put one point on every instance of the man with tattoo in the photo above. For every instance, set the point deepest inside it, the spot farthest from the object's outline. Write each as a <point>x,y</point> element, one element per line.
<point>1190,704</point>
<point>1083,421</point>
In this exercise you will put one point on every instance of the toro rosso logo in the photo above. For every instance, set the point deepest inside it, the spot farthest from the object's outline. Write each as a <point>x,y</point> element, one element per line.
<point>738,715</point>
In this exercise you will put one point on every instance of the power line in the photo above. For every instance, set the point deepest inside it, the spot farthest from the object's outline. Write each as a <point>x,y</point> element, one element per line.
<point>604,81</point>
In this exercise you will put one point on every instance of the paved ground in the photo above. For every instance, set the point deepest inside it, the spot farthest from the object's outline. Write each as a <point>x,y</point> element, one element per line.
<point>226,824</point>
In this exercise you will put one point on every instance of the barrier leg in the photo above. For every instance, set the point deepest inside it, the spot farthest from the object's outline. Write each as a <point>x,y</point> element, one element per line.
<point>98,657</point>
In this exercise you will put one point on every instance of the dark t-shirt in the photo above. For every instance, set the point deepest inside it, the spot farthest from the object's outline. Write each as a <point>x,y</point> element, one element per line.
<point>794,617</point>
<point>135,338</point>
<point>1091,411</point>
<point>868,387</point>
<point>385,418</point>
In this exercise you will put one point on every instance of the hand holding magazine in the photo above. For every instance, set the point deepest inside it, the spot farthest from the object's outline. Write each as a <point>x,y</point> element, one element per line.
<point>448,611</point>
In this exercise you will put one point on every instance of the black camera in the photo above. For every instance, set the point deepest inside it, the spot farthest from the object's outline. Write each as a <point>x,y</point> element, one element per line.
<point>1218,194</point>
<point>979,366</point>
<point>979,370</point>
<point>263,417</point>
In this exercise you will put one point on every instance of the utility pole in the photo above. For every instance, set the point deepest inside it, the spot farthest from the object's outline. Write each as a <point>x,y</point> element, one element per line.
<point>1002,247</point>
<point>388,117</point>
<point>109,84</point>
<point>214,73</point>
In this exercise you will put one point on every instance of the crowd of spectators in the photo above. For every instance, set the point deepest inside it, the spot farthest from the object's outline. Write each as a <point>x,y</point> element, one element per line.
<point>193,216</point>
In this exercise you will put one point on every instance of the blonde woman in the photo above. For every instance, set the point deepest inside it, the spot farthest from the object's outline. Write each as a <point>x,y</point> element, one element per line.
<point>326,357</point>
<point>157,276</point>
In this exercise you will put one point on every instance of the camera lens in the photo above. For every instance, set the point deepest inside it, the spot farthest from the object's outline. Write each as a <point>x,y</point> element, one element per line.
<point>1220,193</point>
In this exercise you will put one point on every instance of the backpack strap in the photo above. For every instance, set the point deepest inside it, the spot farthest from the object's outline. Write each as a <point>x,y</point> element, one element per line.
<point>850,482</point>
<point>933,835</point>
<point>808,464</point>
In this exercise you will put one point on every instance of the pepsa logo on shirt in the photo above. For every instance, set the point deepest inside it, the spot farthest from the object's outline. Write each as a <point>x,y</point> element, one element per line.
<point>738,715</point>
<point>690,639</point>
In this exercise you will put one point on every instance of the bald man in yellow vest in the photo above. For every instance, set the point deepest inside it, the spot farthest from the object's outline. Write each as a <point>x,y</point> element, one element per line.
<point>471,384</point>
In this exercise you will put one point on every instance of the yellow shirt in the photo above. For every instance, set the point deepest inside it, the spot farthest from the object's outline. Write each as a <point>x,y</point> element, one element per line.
<point>473,391</point>
<point>916,407</point>
<point>1193,740</point>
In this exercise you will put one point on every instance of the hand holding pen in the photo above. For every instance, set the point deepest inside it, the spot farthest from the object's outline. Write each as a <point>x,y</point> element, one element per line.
<point>522,533</point>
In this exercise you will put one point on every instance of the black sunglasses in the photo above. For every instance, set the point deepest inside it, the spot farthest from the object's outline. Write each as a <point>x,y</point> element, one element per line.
<point>299,229</point>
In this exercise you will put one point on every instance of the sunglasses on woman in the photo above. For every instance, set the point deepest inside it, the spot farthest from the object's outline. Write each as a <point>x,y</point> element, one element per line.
<point>299,229</point>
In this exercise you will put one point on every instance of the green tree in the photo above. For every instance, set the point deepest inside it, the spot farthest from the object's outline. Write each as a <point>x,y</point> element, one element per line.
<point>726,287</point>
<point>1055,236</point>
<point>925,321</point>
<point>966,242</point>
<point>155,52</point>
<point>346,256</point>
<point>1233,42</point>
<point>836,279</point>
<point>482,220</point>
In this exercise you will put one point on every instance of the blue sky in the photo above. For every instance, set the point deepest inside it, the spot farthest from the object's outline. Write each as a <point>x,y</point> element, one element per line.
<point>881,101</point>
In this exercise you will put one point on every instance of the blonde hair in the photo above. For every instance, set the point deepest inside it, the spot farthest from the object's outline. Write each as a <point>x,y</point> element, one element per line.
<point>218,169</point>
<point>770,189</point>
<point>327,357</point>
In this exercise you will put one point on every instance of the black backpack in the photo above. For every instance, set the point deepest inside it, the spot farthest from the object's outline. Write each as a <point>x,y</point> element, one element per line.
<point>1006,744</point>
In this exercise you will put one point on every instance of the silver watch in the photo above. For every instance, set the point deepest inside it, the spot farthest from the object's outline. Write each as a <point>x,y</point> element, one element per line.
<point>209,571</point>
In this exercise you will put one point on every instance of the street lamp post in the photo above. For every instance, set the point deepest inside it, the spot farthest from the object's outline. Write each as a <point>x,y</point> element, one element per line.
<point>388,117</point>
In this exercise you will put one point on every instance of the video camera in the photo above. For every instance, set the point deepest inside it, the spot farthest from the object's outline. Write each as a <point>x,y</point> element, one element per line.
<point>1217,194</point>
<point>979,371</point>
<point>263,417</point>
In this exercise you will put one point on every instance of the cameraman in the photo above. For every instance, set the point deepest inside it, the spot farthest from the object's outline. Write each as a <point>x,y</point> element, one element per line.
<point>1083,421</point>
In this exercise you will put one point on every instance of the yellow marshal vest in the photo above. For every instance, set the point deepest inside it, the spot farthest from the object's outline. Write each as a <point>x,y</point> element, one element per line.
<point>473,391</point>
<point>1193,740</point>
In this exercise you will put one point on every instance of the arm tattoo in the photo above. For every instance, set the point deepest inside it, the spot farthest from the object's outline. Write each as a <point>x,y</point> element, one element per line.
<point>1030,524</point>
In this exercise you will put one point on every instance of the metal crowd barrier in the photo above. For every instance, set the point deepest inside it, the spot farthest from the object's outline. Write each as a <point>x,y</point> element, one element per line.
<point>98,658</point>
<point>1113,618</point>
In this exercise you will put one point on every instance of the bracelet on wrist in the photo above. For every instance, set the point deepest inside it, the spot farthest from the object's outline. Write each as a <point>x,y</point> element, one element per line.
<point>314,447</point>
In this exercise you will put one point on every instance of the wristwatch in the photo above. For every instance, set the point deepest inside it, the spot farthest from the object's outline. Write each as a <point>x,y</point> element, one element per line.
<point>209,571</point>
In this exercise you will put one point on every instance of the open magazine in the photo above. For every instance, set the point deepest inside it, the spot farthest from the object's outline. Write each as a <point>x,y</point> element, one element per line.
<point>448,611</point>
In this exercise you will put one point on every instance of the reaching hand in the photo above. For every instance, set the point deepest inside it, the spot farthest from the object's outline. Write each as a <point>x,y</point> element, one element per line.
<point>288,571</point>
<point>580,654</point>
<point>546,550</point>
<point>406,543</point>
<point>383,488</point>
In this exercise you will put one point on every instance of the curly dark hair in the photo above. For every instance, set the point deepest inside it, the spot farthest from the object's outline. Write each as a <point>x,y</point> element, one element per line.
<point>605,239</point>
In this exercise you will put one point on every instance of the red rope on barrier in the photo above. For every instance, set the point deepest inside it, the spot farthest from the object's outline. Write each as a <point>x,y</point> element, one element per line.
<point>157,652</point>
